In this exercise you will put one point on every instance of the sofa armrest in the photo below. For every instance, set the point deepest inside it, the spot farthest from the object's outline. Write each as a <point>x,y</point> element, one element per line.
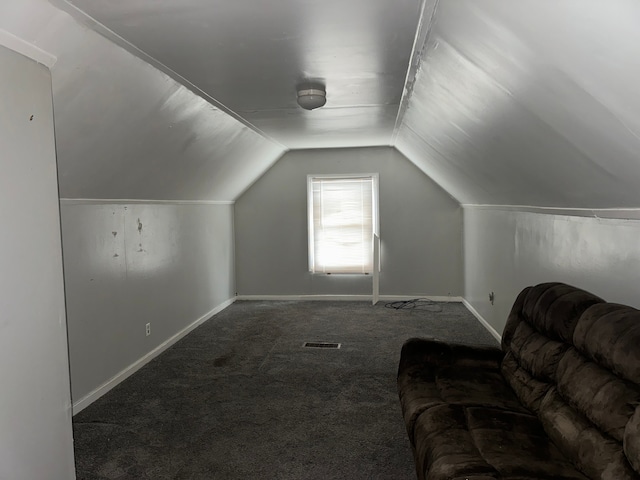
<point>428,351</point>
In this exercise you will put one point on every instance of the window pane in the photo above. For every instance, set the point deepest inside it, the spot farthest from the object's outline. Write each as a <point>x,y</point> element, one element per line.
<point>341,224</point>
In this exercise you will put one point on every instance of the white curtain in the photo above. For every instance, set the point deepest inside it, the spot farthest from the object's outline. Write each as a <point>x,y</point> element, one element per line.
<point>341,224</point>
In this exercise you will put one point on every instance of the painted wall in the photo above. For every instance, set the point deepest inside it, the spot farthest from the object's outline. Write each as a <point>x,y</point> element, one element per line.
<point>128,265</point>
<point>420,229</point>
<point>506,250</point>
<point>35,407</point>
<point>126,130</point>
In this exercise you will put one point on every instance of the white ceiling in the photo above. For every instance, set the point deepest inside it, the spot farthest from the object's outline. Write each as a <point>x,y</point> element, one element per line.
<point>125,130</point>
<point>251,56</point>
<point>527,102</point>
<point>530,102</point>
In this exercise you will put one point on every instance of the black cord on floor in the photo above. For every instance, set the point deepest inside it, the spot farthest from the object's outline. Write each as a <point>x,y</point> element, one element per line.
<point>414,304</point>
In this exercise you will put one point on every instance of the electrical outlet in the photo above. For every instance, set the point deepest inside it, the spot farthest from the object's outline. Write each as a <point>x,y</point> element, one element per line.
<point>148,329</point>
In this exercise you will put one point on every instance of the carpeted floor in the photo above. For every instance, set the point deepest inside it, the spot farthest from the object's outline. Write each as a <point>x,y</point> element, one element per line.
<point>240,398</point>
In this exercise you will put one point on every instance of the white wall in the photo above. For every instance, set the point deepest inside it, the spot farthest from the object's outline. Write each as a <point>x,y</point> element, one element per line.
<point>420,229</point>
<point>35,407</point>
<point>130,264</point>
<point>126,130</point>
<point>506,250</point>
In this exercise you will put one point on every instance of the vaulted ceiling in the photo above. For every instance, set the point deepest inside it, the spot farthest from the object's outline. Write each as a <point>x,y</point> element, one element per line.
<point>501,102</point>
<point>530,102</point>
<point>252,55</point>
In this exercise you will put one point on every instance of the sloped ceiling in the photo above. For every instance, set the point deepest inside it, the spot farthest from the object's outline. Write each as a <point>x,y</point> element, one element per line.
<point>125,130</point>
<point>530,103</point>
<point>514,102</point>
<point>252,55</point>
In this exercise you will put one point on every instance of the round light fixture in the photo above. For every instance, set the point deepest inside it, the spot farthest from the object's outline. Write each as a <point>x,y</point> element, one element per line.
<point>311,98</point>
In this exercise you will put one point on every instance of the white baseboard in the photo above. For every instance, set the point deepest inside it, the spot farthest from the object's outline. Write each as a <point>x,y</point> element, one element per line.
<point>365,298</point>
<point>484,323</point>
<point>433,298</point>
<point>304,297</point>
<point>91,397</point>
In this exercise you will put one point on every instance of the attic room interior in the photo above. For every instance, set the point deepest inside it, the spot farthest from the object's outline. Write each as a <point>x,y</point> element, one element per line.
<point>157,164</point>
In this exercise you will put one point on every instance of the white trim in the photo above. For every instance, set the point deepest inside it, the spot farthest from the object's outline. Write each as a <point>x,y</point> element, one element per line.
<point>91,397</point>
<point>350,298</point>
<point>344,147</point>
<point>27,49</point>
<point>490,205</point>
<point>612,213</point>
<point>375,298</point>
<point>420,40</point>
<point>311,215</point>
<point>304,297</point>
<point>122,201</point>
<point>433,298</point>
<point>484,323</point>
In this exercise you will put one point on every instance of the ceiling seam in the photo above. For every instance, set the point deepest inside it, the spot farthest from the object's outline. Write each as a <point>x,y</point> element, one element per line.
<point>132,201</point>
<point>113,37</point>
<point>578,209</point>
<point>419,44</point>
<point>325,108</point>
<point>622,213</point>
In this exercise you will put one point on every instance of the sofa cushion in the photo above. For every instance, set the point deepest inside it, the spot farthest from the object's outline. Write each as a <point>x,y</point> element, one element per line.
<point>608,334</point>
<point>445,448</point>
<point>435,373</point>
<point>471,442</point>
<point>632,440</point>
<point>516,445</point>
<point>561,401</point>
<point>554,309</point>
<point>606,400</point>
<point>528,389</point>
<point>574,360</point>
<point>537,353</point>
<point>594,453</point>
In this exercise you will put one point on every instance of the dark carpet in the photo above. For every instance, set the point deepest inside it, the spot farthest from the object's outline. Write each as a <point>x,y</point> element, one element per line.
<point>240,398</point>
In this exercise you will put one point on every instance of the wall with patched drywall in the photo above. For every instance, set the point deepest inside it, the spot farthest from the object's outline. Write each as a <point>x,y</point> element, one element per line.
<point>506,250</point>
<point>129,265</point>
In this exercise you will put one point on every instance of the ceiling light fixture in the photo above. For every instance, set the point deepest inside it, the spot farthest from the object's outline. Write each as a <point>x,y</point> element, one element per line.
<point>310,98</point>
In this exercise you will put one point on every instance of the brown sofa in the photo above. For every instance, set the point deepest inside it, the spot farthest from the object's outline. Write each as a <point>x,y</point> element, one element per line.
<point>560,400</point>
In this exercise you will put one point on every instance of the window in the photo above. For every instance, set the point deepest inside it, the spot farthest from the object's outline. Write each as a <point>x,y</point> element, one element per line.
<point>343,217</point>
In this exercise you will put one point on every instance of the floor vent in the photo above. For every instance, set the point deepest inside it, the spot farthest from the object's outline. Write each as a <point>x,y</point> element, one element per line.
<point>321,345</point>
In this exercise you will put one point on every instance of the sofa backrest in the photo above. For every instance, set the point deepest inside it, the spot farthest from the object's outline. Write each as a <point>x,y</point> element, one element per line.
<point>574,360</point>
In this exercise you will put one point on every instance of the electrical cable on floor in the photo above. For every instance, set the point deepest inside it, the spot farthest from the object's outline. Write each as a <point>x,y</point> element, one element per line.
<point>414,304</point>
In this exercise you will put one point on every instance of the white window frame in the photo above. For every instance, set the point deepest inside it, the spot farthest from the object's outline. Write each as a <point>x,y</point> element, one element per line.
<point>310,216</point>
